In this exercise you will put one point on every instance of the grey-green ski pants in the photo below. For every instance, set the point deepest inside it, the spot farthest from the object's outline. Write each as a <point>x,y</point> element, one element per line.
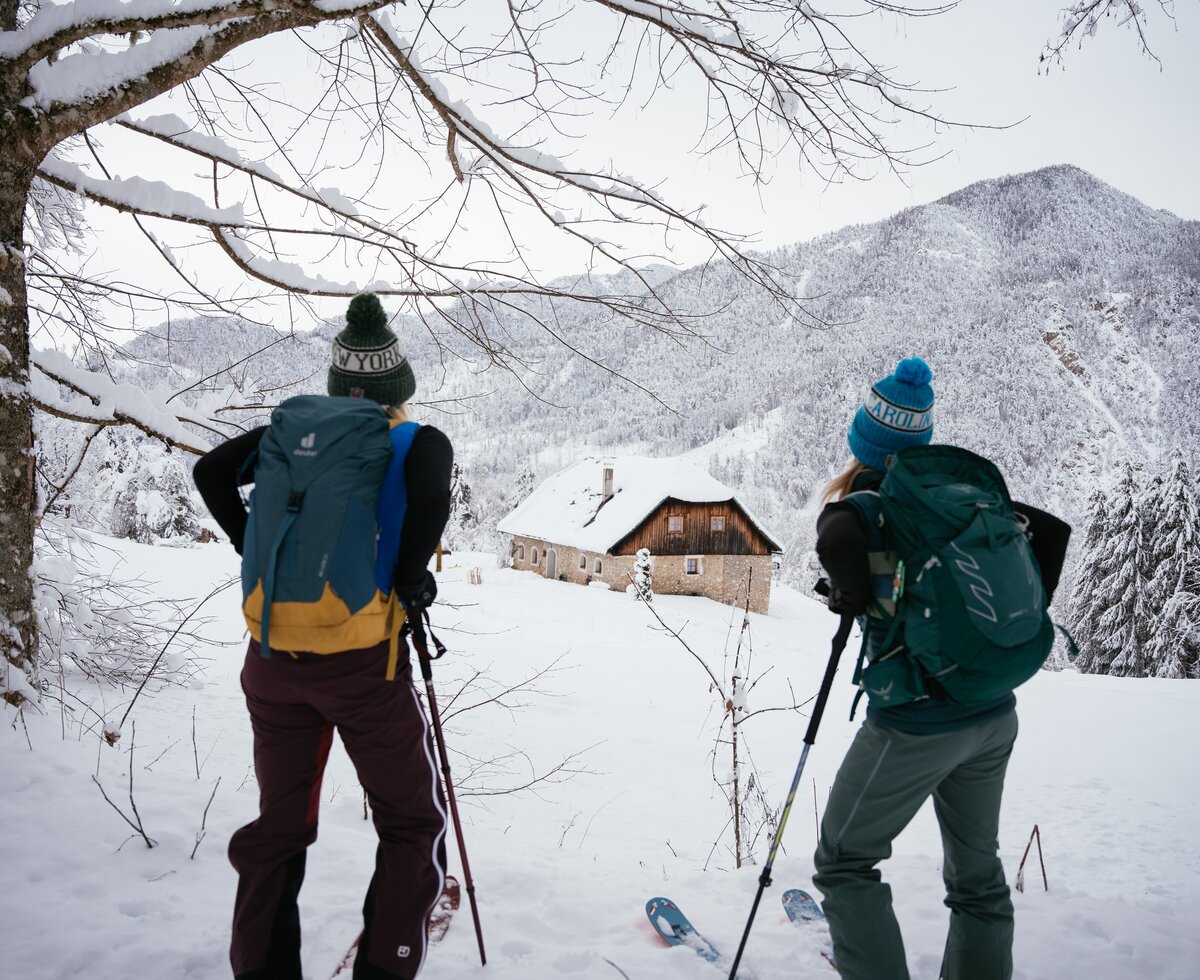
<point>885,778</point>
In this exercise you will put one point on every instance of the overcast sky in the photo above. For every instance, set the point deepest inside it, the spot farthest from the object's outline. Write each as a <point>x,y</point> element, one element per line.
<point>1116,113</point>
<point>1130,120</point>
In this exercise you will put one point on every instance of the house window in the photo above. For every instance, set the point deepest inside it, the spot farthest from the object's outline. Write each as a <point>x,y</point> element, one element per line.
<point>582,561</point>
<point>718,522</point>
<point>675,524</point>
<point>533,557</point>
<point>693,566</point>
<point>599,566</point>
<point>520,552</point>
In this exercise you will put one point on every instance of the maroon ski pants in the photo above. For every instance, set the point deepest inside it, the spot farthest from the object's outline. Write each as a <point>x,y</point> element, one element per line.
<point>295,704</point>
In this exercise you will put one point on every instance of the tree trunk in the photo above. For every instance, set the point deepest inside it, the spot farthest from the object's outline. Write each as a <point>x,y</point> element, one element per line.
<point>18,624</point>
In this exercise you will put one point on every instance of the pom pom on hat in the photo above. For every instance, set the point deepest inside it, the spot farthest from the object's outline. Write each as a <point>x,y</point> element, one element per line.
<point>897,413</point>
<point>365,318</point>
<point>913,371</point>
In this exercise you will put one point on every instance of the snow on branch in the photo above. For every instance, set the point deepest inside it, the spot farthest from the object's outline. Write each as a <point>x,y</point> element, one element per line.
<point>173,131</point>
<point>153,198</point>
<point>92,84</point>
<point>1083,18</point>
<point>57,26</point>
<point>102,401</point>
<point>536,176</point>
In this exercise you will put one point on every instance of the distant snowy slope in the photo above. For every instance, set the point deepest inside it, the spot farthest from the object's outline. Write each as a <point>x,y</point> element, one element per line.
<point>1061,317</point>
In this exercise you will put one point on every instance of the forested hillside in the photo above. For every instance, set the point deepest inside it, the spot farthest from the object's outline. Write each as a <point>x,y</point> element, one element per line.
<point>1061,318</point>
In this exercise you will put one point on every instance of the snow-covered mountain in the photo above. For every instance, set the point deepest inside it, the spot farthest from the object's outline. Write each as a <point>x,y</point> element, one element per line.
<point>1060,315</point>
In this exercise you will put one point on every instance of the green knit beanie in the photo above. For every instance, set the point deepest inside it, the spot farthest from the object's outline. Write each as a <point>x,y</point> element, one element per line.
<point>368,361</point>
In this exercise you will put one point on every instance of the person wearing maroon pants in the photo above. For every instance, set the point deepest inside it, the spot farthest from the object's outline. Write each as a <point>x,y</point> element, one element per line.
<point>296,701</point>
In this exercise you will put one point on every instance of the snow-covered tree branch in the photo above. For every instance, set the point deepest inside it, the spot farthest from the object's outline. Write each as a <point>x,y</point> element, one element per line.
<point>432,152</point>
<point>1084,18</point>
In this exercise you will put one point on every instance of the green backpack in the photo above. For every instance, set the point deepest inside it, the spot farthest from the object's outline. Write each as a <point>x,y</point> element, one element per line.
<point>967,618</point>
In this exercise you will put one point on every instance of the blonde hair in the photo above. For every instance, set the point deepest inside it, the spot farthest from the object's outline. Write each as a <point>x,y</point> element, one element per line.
<point>842,484</point>
<point>398,412</point>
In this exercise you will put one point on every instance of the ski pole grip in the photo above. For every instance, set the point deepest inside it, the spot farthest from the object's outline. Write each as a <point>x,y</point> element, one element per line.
<point>839,644</point>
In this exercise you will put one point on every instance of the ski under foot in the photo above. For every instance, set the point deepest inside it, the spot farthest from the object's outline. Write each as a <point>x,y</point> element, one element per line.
<point>439,922</point>
<point>802,909</point>
<point>675,929</point>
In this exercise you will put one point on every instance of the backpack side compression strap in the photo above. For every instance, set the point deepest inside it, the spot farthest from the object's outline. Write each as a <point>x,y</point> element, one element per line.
<point>269,580</point>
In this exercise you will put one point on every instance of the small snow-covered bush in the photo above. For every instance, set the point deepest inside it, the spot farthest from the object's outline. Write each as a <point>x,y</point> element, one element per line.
<point>643,577</point>
<point>118,482</point>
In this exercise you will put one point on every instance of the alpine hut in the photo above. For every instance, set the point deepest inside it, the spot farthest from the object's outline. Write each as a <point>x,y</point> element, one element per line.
<point>586,523</point>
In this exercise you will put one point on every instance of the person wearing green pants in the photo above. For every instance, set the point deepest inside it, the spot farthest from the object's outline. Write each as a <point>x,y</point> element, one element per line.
<point>905,753</point>
<point>885,778</point>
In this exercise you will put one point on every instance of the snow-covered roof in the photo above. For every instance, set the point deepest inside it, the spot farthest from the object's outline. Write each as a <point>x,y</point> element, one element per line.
<point>569,507</point>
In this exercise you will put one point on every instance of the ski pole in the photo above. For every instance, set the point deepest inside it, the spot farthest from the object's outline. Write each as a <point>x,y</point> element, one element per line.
<point>764,879</point>
<point>426,660</point>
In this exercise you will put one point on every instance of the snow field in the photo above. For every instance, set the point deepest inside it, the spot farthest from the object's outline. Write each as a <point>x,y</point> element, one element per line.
<point>1103,766</point>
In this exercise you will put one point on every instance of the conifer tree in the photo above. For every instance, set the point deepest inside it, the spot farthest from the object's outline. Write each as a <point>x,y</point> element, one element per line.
<point>1174,647</point>
<point>1174,549</point>
<point>1117,578</point>
<point>1086,603</point>
<point>461,505</point>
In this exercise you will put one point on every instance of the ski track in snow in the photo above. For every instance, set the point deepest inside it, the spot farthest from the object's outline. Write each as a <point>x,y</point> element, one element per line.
<point>1104,766</point>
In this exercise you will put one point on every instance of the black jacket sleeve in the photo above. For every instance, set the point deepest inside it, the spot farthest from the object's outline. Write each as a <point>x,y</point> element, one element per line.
<point>218,474</point>
<point>427,476</point>
<point>842,549</point>
<point>1048,537</point>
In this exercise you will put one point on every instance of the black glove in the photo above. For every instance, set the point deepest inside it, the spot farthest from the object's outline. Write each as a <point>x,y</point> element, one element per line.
<point>835,599</point>
<point>418,595</point>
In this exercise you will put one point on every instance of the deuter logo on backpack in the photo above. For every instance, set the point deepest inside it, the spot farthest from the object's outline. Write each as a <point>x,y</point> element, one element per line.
<point>307,446</point>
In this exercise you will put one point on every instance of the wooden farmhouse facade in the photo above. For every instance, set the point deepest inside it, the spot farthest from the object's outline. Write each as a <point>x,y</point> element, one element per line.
<point>587,523</point>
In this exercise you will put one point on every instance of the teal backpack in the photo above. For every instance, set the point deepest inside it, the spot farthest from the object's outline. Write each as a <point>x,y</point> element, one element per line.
<point>324,528</point>
<point>965,618</point>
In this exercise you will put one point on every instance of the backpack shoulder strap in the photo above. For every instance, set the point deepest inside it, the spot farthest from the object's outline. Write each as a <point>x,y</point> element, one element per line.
<point>393,503</point>
<point>868,506</point>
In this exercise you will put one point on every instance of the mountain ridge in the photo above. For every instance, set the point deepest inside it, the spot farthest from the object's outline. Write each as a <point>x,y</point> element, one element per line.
<point>1060,316</point>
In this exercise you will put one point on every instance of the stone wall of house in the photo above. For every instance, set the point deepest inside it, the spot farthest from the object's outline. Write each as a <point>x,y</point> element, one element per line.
<point>567,568</point>
<point>721,577</point>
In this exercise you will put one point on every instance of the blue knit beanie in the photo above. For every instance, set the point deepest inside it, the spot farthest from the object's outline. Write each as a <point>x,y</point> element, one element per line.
<point>897,413</point>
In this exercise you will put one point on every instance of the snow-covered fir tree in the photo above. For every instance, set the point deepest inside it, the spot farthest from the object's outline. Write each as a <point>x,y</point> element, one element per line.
<point>462,521</point>
<point>1136,604</point>
<point>1114,582</point>
<point>1174,647</point>
<point>1086,604</point>
<point>1174,641</point>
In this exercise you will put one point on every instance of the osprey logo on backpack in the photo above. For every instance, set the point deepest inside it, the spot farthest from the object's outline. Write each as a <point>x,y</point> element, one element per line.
<point>980,589</point>
<point>973,623</point>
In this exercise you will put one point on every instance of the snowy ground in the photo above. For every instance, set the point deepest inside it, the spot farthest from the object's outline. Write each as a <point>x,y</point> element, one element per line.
<point>1105,767</point>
